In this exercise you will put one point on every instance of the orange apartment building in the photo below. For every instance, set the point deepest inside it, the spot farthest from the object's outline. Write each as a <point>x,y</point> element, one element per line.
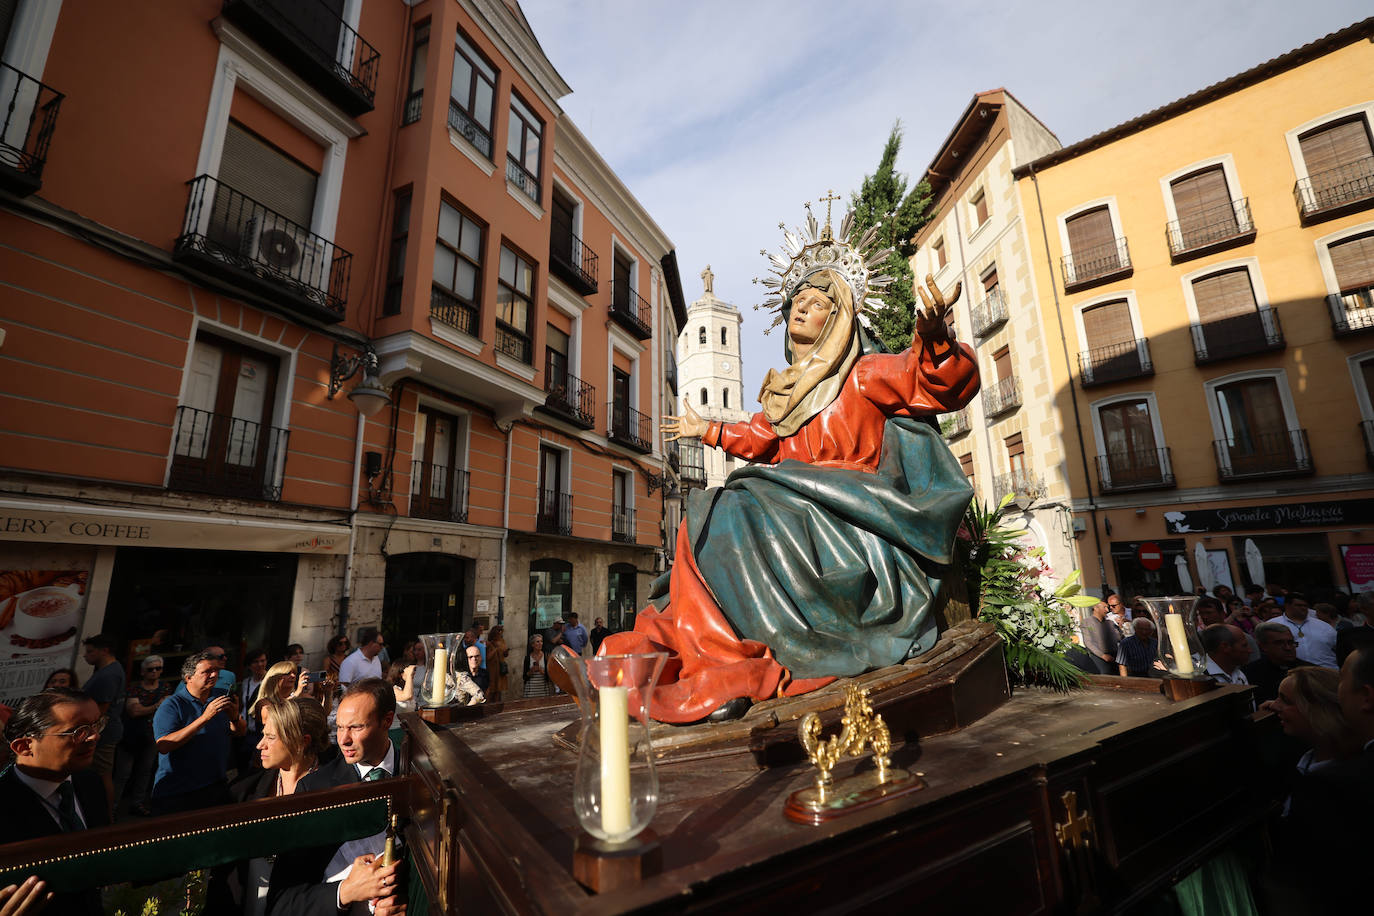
<point>1206,277</point>
<point>290,344</point>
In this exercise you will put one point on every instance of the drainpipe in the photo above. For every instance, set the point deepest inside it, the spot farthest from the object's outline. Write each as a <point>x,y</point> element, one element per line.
<point>505,533</point>
<point>352,524</point>
<point>1073,394</point>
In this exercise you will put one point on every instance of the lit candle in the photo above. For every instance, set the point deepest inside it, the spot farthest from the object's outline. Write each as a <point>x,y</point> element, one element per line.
<point>1178,637</point>
<point>614,710</point>
<point>440,688</point>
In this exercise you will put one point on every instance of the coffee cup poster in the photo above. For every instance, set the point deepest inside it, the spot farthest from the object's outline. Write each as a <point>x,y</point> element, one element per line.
<point>41,612</point>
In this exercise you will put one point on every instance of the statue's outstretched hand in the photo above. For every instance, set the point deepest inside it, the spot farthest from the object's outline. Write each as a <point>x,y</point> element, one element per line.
<point>930,321</point>
<point>688,426</point>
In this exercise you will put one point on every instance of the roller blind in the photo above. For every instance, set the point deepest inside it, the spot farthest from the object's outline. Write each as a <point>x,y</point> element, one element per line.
<point>1002,360</point>
<point>1335,145</point>
<point>1202,198</point>
<point>1353,262</point>
<point>1090,230</point>
<point>252,167</point>
<point>1224,295</point>
<point>1108,323</point>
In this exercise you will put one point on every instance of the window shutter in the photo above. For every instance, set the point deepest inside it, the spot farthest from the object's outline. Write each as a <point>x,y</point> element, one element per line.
<point>1224,295</point>
<point>271,178</point>
<point>1002,360</point>
<point>1108,323</point>
<point>1202,198</point>
<point>1334,145</point>
<point>989,280</point>
<point>1353,262</point>
<point>1090,230</point>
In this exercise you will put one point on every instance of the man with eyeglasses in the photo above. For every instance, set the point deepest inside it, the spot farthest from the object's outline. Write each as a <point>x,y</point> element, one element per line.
<point>192,729</point>
<point>226,678</point>
<point>473,683</point>
<point>1278,656</point>
<point>327,880</point>
<point>51,789</point>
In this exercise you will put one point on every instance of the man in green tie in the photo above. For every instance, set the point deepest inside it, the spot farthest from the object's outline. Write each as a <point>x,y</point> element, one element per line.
<point>50,789</point>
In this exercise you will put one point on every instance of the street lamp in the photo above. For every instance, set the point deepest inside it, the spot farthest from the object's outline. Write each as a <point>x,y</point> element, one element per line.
<point>369,395</point>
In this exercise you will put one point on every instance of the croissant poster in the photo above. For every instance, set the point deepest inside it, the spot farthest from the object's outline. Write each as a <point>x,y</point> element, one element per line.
<point>41,612</point>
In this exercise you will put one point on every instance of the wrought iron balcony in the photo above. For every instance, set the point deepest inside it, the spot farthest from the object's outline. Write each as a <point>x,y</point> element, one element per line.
<point>1002,396</point>
<point>523,179</point>
<point>1335,191</point>
<point>474,133</point>
<point>631,311</point>
<point>568,395</point>
<point>572,261</point>
<point>1135,469</point>
<point>1211,229</point>
<point>1025,486</point>
<point>691,463</point>
<point>1352,312</point>
<point>415,103</point>
<point>1367,430</point>
<point>513,342</point>
<point>227,456</point>
<point>1115,362</point>
<point>448,309</point>
<point>29,116</point>
<point>231,235</point>
<point>438,492</point>
<point>555,512</point>
<point>629,427</point>
<point>310,38</point>
<point>989,314</point>
<point>623,524</point>
<point>1276,454</point>
<point>954,425</point>
<point>1096,264</point>
<point>1240,335</point>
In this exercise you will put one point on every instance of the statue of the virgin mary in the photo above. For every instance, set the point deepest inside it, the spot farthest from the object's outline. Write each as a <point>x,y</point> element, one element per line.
<point>821,559</point>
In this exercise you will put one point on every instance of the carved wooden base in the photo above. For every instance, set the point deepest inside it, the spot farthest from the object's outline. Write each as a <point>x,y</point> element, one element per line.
<point>602,867</point>
<point>1180,688</point>
<point>845,796</point>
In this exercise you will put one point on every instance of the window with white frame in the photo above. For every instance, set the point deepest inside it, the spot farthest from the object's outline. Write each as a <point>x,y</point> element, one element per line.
<point>1130,443</point>
<point>1256,426</point>
<point>1206,209</point>
<point>622,506</point>
<point>1362,375</point>
<point>1337,157</point>
<point>438,479</point>
<point>1352,267</point>
<point>1094,248</point>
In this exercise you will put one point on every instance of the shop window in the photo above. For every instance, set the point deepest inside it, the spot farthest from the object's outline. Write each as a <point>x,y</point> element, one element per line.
<point>621,597</point>
<point>424,593</point>
<point>551,583</point>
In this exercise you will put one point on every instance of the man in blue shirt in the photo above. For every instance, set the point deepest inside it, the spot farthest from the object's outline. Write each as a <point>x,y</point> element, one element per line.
<point>575,634</point>
<point>225,679</point>
<point>192,728</point>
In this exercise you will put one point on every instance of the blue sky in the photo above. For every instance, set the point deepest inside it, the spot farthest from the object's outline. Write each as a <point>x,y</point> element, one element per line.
<point>724,117</point>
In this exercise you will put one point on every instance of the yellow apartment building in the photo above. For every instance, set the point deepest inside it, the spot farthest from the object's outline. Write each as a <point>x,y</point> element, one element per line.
<point>1010,439</point>
<point>1209,267</point>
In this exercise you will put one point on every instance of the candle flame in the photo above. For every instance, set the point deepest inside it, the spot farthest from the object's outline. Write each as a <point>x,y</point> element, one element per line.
<point>1171,609</point>
<point>619,678</point>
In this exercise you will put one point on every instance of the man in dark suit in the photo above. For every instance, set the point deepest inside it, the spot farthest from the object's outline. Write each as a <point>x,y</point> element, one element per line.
<point>1278,656</point>
<point>50,788</point>
<point>327,880</point>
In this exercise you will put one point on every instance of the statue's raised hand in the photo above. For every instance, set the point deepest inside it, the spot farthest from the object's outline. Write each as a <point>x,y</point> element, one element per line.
<point>688,426</point>
<point>930,321</point>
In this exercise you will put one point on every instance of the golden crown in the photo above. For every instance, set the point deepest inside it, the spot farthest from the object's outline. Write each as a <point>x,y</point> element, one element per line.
<point>815,247</point>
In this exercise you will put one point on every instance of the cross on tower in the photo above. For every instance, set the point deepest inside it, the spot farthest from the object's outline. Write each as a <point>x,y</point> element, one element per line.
<point>829,199</point>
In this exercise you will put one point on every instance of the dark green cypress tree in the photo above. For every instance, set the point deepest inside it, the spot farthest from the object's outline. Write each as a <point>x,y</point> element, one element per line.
<point>884,198</point>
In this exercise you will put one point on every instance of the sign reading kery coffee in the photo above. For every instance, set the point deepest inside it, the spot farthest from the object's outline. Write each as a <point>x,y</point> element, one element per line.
<point>67,524</point>
<point>1281,515</point>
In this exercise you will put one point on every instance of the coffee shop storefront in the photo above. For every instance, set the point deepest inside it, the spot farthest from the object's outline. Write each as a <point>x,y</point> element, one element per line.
<point>157,580</point>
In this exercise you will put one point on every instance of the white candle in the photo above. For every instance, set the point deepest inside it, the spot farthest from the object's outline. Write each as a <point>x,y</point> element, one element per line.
<point>615,760</point>
<point>1178,637</point>
<point>440,688</point>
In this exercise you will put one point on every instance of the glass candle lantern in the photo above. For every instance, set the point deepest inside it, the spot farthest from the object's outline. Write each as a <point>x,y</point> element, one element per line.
<point>1180,647</point>
<point>436,678</point>
<point>615,790</point>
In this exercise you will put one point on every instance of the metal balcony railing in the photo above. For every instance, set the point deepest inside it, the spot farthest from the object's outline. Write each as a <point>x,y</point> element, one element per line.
<point>1025,486</point>
<point>623,524</point>
<point>1228,222</point>
<point>629,427</point>
<point>448,309</point>
<point>474,133</point>
<point>227,456</point>
<point>990,313</point>
<point>27,119</point>
<point>1002,396</point>
<point>1096,263</point>
<point>572,261</point>
<point>555,512</point>
<point>567,394</point>
<point>1352,312</point>
<point>1135,469</point>
<point>1345,185</point>
<point>311,38</point>
<point>438,492</point>
<point>522,178</point>
<point>1240,335</point>
<point>1276,454</point>
<point>415,103</point>
<point>229,233</point>
<point>954,425</point>
<point>513,342</point>
<point>631,310</point>
<point>1367,430</point>
<point>691,463</point>
<point>1115,362</point>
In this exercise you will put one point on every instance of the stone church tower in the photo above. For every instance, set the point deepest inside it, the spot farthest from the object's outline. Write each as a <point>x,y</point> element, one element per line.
<point>708,357</point>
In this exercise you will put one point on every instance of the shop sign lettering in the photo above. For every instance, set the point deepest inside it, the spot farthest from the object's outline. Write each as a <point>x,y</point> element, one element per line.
<point>1282,515</point>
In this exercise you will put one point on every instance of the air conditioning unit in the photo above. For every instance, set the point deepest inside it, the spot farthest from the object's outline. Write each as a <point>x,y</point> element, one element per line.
<point>286,250</point>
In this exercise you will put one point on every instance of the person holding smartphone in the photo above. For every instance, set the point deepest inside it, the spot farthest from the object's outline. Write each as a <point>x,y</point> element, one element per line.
<point>192,729</point>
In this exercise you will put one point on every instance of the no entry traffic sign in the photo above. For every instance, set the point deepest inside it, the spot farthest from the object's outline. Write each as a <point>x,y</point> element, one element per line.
<point>1150,556</point>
